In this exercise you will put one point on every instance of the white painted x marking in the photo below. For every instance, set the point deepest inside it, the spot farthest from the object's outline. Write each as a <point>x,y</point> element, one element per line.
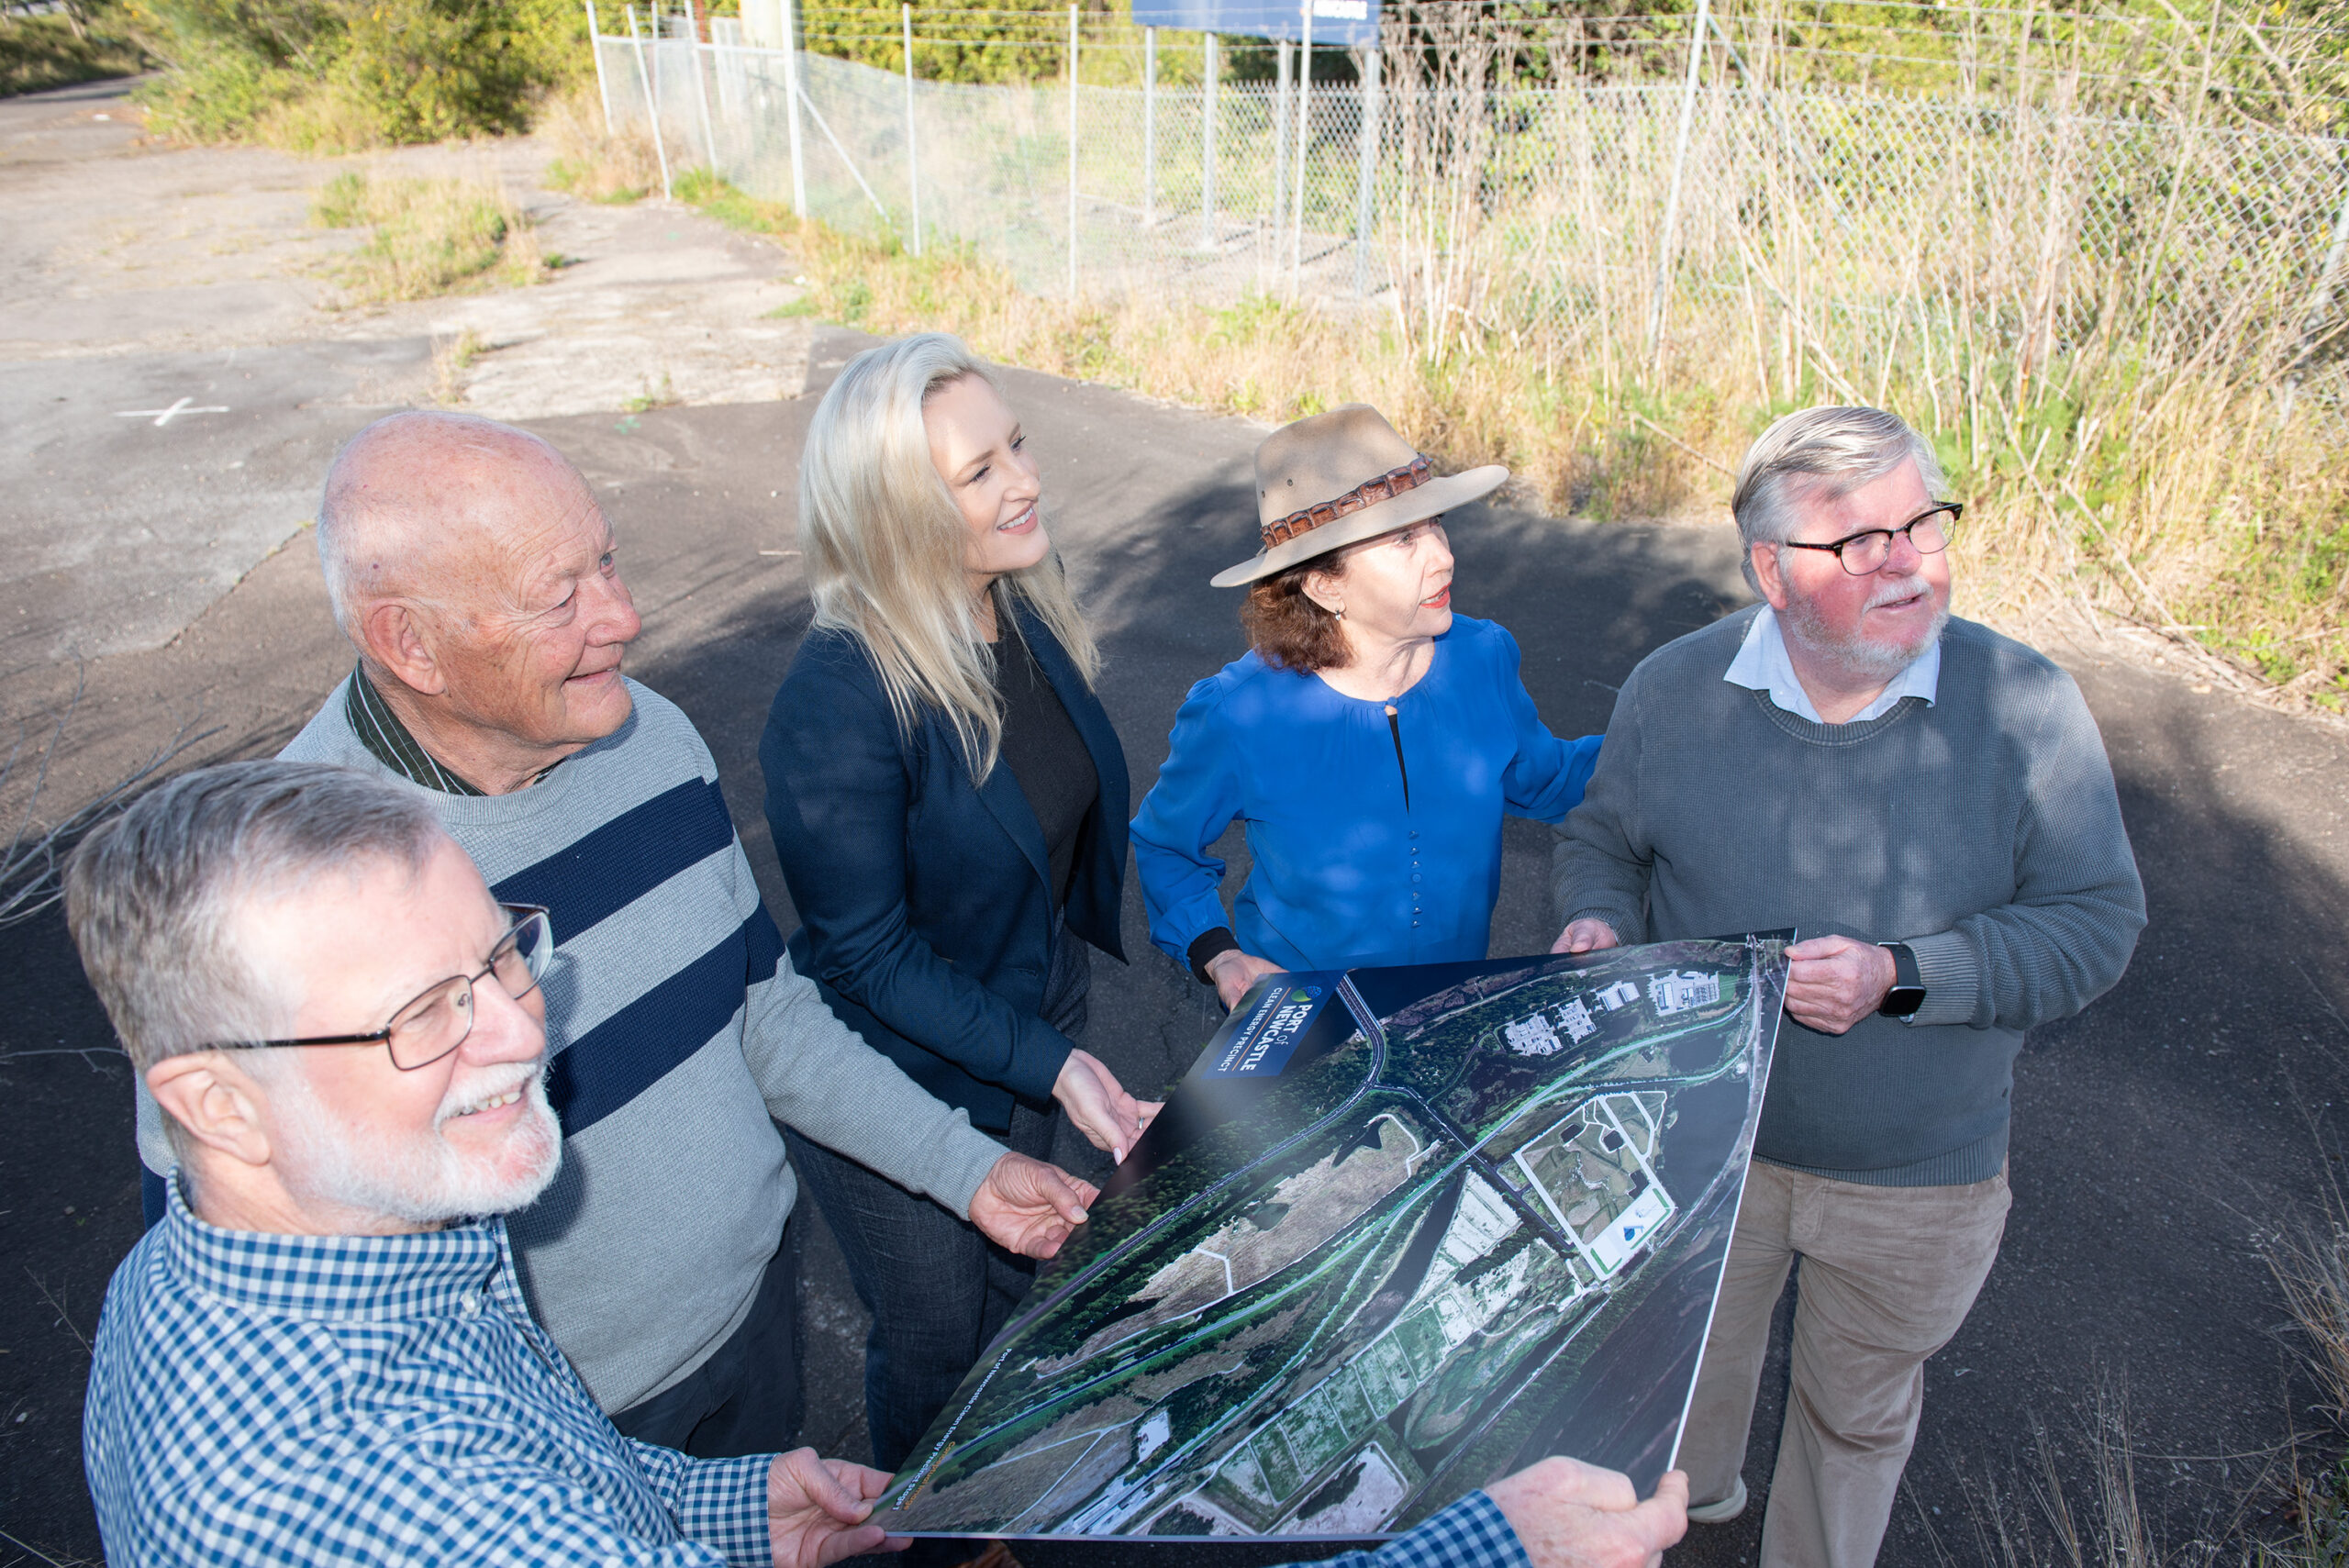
<point>165,416</point>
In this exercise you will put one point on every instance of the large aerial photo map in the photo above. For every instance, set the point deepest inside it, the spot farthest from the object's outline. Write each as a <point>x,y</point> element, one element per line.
<point>1398,1233</point>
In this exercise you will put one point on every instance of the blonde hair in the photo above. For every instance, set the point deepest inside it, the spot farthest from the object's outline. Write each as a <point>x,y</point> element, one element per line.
<point>885,541</point>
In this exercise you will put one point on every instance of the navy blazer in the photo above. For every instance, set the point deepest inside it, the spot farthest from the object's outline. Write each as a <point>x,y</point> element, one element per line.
<point>925,900</point>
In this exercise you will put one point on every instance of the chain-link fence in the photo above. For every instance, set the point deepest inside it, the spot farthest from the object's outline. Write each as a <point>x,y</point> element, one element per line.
<point>1817,233</point>
<point>1197,190</point>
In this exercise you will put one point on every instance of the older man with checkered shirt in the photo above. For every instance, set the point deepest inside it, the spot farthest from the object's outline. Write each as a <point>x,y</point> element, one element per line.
<point>321,1356</point>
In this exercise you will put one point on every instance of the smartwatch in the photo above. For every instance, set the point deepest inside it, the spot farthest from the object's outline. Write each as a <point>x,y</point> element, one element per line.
<point>1907,993</point>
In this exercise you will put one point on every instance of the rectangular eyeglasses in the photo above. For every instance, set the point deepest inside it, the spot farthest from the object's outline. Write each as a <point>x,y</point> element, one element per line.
<point>437,1022</point>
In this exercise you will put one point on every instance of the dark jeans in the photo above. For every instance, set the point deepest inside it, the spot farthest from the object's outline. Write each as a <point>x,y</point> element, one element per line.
<point>937,1289</point>
<point>746,1398</point>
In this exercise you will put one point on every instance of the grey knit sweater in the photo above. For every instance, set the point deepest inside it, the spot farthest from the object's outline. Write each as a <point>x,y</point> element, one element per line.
<point>1983,829</point>
<point>676,1028</point>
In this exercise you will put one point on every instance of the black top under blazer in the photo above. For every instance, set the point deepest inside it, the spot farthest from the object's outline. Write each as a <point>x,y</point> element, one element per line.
<point>924,900</point>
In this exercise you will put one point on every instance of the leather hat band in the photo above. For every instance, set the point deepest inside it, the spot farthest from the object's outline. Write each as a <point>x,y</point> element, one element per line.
<point>1386,487</point>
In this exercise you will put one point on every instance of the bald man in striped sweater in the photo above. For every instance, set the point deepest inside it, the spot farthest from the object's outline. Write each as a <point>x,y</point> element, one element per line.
<point>471,568</point>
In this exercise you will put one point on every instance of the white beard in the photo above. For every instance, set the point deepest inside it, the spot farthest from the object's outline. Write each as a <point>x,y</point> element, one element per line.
<point>423,1180</point>
<point>1858,655</point>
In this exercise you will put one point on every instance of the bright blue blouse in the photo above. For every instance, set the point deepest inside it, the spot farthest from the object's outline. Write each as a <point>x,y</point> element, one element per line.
<point>1345,872</point>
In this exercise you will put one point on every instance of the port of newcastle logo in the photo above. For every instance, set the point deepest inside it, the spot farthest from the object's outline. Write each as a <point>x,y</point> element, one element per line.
<point>1262,1047</point>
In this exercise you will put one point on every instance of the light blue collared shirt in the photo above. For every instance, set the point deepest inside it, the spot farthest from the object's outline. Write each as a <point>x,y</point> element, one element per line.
<point>1761,665</point>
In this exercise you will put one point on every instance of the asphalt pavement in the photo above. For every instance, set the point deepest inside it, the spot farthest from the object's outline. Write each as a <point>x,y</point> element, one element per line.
<point>2160,1139</point>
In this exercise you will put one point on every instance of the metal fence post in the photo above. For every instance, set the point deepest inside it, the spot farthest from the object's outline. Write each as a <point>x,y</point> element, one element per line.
<point>791,106</point>
<point>1304,142</point>
<point>1366,163</point>
<point>2319,306</point>
<point>1072,152</point>
<point>595,47</point>
<point>1280,144</point>
<point>701,54</point>
<point>913,163</point>
<point>1679,165</point>
<point>1207,153</point>
<point>651,105</point>
<point>1149,128</point>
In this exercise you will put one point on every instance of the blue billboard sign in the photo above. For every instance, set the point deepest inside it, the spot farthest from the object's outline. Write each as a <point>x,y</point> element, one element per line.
<point>1348,22</point>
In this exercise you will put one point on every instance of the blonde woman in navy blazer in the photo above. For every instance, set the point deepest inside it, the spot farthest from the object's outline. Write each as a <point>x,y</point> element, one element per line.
<point>949,802</point>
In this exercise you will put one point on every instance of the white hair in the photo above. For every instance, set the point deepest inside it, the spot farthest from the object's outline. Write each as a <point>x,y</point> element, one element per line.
<point>153,896</point>
<point>421,1179</point>
<point>390,490</point>
<point>1820,453</point>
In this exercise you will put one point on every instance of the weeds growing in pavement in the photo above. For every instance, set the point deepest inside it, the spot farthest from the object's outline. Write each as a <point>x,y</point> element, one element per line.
<point>2290,1509</point>
<point>591,162</point>
<point>652,397</point>
<point>452,357</point>
<point>428,236</point>
<point>2310,1261</point>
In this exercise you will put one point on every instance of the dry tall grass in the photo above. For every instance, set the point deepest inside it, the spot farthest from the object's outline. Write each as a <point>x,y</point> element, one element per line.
<point>591,162</point>
<point>2311,1262</point>
<point>2286,1509</point>
<point>2191,501</point>
<point>427,237</point>
<point>2101,265</point>
<point>2104,314</point>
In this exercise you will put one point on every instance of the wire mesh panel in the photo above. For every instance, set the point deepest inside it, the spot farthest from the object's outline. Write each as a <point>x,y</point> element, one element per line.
<point>1836,228</point>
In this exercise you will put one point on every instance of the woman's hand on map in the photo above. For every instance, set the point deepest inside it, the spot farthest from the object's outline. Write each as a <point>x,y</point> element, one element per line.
<point>1586,935</point>
<point>1029,1206</point>
<point>1571,1515</point>
<point>1233,971</point>
<point>1110,1118</point>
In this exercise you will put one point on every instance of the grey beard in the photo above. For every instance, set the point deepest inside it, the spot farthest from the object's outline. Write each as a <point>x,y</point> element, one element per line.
<point>422,1181</point>
<point>1859,656</point>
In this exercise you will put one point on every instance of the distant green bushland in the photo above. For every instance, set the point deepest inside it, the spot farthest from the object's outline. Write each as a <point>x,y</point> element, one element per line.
<point>58,49</point>
<point>336,75</point>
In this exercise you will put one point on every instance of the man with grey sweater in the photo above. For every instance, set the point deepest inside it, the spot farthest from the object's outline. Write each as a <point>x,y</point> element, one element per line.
<point>1929,803</point>
<point>471,568</point>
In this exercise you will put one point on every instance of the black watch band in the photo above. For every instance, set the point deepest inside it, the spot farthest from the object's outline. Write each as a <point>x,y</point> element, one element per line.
<point>1907,993</point>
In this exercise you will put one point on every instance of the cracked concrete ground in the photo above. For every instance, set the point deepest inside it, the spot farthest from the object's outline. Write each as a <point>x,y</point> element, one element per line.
<point>176,362</point>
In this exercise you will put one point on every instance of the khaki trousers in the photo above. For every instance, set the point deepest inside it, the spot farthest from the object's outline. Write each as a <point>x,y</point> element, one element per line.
<point>1887,1275</point>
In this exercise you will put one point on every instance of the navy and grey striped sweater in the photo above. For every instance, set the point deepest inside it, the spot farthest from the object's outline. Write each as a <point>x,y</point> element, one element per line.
<point>677,1028</point>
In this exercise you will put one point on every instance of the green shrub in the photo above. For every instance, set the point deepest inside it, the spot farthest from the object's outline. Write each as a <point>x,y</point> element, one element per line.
<point>38,51</point>
<point>340,74</point>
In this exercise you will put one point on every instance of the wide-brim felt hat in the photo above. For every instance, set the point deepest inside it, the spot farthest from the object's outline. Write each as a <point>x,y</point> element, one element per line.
<point>1331,480</point>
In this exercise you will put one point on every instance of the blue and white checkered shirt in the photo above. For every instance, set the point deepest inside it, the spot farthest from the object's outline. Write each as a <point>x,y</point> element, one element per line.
<point>315,1400</point>
<point>1472,1533</point>
<point>325,1400</point>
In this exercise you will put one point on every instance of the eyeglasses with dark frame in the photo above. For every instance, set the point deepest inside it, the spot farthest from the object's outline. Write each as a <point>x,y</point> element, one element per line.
<point>436,1023</point>
<point>1928,531</point>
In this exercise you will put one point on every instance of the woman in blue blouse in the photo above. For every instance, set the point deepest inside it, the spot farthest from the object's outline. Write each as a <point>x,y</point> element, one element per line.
<point>1370,740</point>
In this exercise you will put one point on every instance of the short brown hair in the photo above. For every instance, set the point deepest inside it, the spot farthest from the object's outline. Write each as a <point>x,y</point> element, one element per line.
<point>1287,629</point>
